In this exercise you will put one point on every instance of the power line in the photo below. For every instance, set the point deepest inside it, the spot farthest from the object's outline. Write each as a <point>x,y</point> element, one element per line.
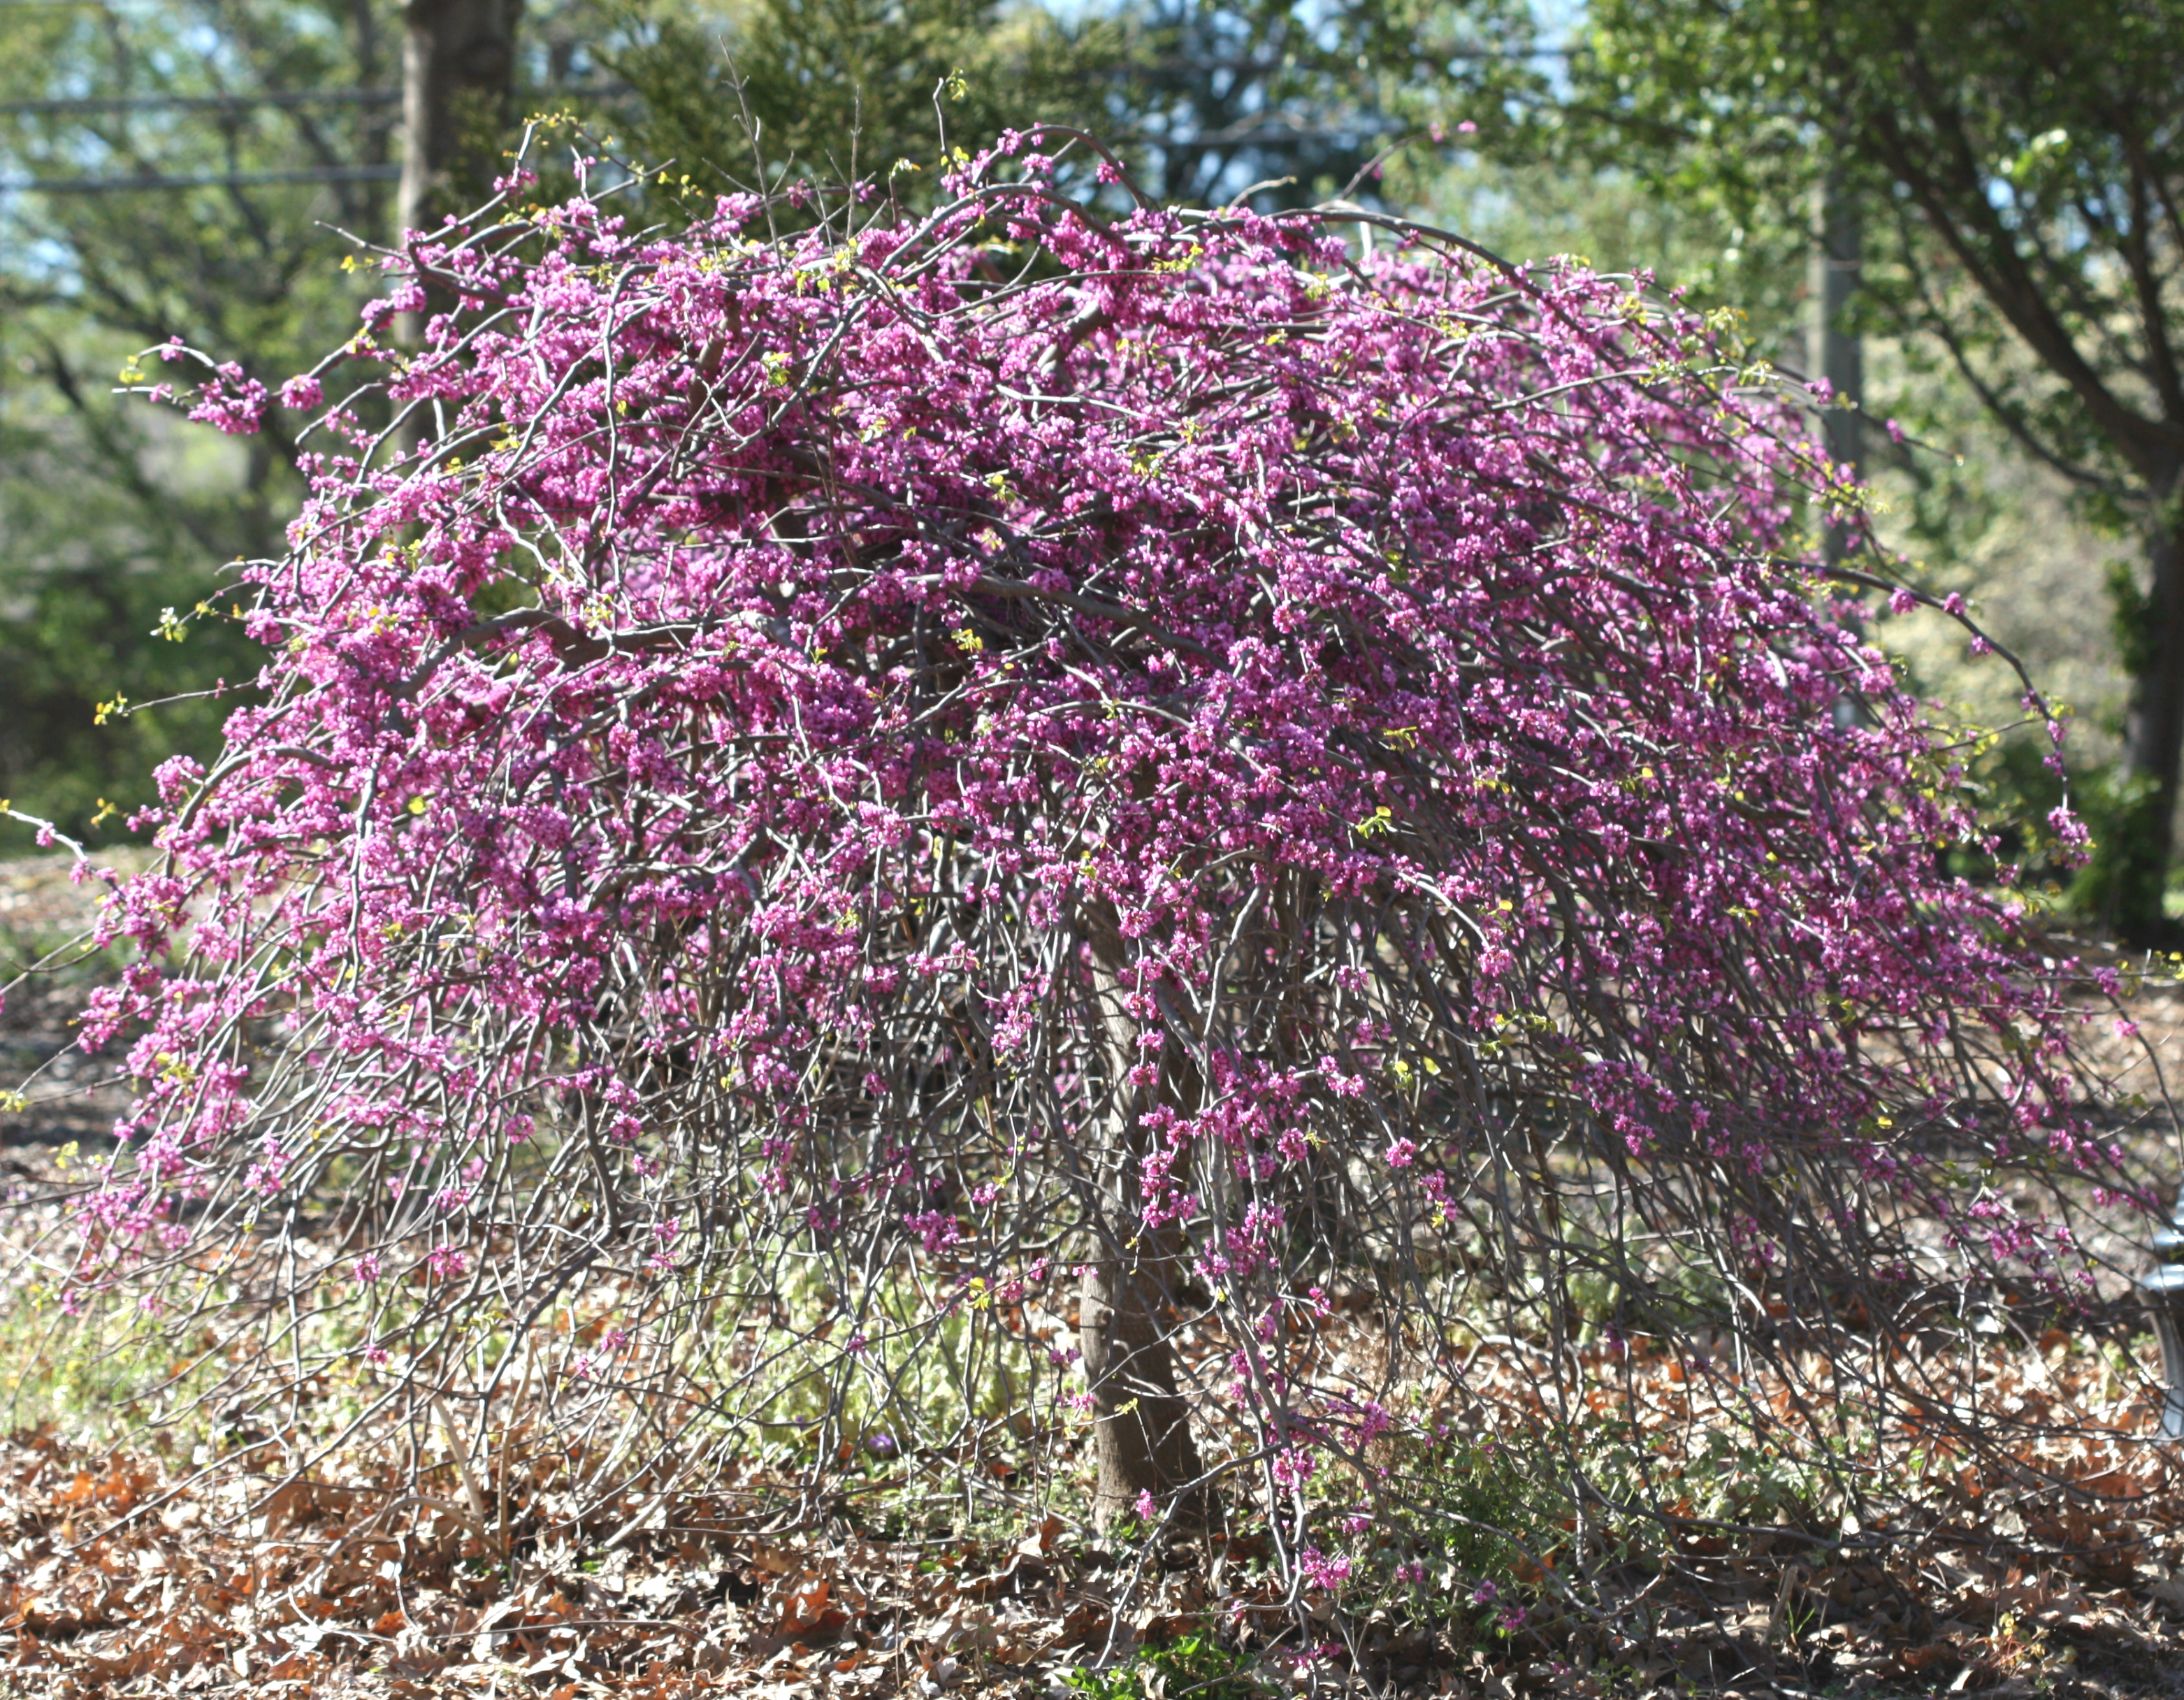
<point>142,181</point>
<point>62,105</point>
<point>196,180</point>
<point>200,103</point>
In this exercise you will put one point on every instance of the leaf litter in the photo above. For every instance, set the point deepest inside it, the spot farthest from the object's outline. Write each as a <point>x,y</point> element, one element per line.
<point>2055,1569</point>
<point>123,1576</point>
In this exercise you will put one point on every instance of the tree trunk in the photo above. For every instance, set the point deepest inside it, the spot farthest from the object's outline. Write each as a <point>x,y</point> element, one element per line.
<point>1141,1437</point>
<point>458,92</point>
<point>2140,833</point>
<point>1838,354</point>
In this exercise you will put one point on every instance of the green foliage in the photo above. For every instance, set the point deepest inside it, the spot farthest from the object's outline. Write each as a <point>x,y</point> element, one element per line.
<point>2128,873</point>
<point>2132,618</point>
<point>73,638</point>
<point>1468,1531</point>
<point>1193,1664</point>
<point>1219,95</point>
<point>928,1363</point>
<point>2011,167</point>
<point>1608,217</point>
<point>88,1374</point>
<point>112,510</point>
<point>844,88</point>
<point>1733,1476</point>
<point>1474,1509</point>
<point>1204,97</point>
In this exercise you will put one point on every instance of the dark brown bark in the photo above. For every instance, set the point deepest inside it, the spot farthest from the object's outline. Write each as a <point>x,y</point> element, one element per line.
<point>458,99</point>
<point>1142,1434</point>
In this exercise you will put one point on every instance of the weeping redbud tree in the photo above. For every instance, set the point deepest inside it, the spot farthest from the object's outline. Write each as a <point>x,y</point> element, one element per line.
<point>1210,831</point>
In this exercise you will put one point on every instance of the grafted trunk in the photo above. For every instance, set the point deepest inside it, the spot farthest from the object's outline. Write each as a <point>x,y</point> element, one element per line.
<point>1142,1434</point>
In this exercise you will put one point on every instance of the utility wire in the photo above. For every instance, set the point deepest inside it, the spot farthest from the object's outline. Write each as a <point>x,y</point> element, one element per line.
<point>195,180</point>
<point>199,102</point>
<point>142,181</point>
<point>277,97</point>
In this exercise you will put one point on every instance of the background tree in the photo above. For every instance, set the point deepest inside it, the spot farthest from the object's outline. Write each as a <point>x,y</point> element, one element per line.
<point>198,168</point>
<point>183,163</point>
<point>2020,174</point>
<point>1204,98</point>
<point>459,74</point>
<point>1213,97</point>
<point>833,88</point>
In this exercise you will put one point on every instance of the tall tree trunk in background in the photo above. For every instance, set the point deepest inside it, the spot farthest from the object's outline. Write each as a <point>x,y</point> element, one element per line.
<point>2140,827</point>
<point>458,92</point>
<point>1141,1434</point>
<point>1838,354</point>
<point>458,97</point>
<point>364,206</point>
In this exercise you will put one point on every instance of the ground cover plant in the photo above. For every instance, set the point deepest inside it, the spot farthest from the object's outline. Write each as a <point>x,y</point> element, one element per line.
<point>1220,879</point>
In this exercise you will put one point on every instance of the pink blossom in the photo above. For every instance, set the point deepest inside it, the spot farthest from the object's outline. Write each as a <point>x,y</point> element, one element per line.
<point>1323,1571</point>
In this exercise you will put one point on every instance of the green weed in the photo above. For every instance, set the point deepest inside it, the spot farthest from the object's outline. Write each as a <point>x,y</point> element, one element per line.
<point>1193,1665</point>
